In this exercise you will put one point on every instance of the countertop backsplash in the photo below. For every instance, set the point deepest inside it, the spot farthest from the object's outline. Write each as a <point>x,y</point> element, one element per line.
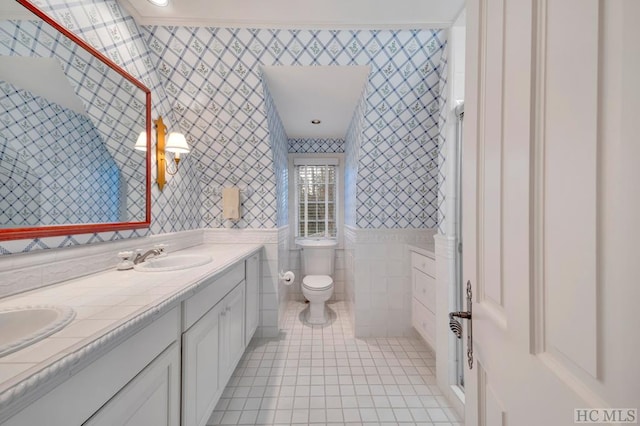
<point>29,271</point>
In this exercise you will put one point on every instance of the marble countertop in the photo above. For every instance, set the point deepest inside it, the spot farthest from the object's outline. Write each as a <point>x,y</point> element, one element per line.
<point>106,305</point>
<point>426,249</point>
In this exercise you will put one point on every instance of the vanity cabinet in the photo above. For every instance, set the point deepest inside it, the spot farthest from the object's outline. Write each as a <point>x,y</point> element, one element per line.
<point>423,302</point>
<point>151,398</point>
<point>213,345</point>
<point>252,273</point>
<point>201,381</point>
<point>136,379</point>
<point>171,371</point>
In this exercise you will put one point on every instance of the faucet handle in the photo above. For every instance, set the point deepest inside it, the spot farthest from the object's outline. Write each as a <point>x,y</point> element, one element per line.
<point>160,247</point>
<point>124,255</point>
<point>126,261</point>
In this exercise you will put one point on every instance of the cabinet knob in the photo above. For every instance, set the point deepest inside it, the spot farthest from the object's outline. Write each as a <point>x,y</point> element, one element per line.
<point>223,313</point>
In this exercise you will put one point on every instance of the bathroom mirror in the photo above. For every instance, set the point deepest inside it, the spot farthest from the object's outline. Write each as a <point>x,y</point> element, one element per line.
<point>69,120</point>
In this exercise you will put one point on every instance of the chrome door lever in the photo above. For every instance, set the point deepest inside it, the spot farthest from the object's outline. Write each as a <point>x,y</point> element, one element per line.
<point>456,327</point>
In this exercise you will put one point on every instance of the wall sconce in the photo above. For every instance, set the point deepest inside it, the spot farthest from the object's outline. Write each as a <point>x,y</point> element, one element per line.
<point>176,143</point>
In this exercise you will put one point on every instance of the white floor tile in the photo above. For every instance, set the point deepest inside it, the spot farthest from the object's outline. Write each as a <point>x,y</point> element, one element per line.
<point>322,375</point>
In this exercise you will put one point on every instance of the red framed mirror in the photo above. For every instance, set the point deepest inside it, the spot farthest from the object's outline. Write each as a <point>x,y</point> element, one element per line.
<point>70,121</point>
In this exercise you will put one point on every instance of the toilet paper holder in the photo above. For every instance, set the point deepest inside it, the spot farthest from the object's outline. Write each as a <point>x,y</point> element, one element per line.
<point>287,277</point>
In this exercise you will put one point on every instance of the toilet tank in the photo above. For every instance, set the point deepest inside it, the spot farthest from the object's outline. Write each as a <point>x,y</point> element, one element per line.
<point>318,256</point>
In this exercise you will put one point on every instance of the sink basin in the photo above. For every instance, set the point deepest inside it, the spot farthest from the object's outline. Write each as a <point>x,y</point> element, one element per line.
<point>173,263</point>
<point>22,326</point>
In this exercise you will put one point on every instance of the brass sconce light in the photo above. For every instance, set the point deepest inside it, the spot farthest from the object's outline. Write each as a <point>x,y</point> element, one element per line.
<point>175,142</point>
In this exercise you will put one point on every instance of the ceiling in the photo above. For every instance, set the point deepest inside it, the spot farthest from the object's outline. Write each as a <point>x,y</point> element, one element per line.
<point>43,77</point>
<point>327,93</point>
<point>298,14</point>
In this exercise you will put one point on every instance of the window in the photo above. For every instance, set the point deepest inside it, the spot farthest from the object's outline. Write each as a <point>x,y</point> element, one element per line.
<point>316,197</point>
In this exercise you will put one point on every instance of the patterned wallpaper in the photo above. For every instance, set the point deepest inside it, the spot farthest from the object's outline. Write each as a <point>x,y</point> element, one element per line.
<point>72,176</point>
<point>442,141</point>
<point>353,140</point>
<point>308,146</point>
<point>208,84</point>
<point>115,111</point>
<point>19,193</point>
<point>397,176</point>
<point>278,139</point>
<point>109,29</point>
<point>212,76</point>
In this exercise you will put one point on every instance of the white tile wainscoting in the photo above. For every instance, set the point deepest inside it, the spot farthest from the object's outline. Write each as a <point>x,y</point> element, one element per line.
<point>378,279</point>
<point>271,291</point>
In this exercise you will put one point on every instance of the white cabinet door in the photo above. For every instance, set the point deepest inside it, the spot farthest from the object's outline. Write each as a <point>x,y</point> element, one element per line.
<point>151,398</point>
<point>551,206</point>
<point>201,384</point>
<point>233,339</point>
<point>252,274</point>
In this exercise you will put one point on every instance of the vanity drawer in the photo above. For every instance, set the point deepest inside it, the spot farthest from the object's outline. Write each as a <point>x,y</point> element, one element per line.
<point>424,289</point>
<point>423,263</point>
<point>424,321</point>
<point>214,290</point>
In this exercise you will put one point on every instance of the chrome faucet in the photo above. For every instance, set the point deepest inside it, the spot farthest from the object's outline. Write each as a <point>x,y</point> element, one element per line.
<point>142,257</point>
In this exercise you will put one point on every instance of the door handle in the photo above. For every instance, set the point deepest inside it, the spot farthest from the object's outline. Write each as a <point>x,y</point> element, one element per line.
<point>456,326</point>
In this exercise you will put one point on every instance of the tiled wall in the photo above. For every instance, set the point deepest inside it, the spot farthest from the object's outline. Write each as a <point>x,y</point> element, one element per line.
<point>213,78</point>
<point>64,176</point>
<point>378,275</point>
<point>108,28</point>
<point>283,266</point>
<point>269,291</point>
<point>313,146</point>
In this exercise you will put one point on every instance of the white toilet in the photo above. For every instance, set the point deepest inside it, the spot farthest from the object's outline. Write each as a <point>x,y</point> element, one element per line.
<point>317,267</point>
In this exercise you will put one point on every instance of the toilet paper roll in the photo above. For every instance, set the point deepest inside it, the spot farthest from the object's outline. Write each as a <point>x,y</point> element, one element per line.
<point>288,278</point>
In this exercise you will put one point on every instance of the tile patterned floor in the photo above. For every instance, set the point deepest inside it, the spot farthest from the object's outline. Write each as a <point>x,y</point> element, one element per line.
<point>322,375</point>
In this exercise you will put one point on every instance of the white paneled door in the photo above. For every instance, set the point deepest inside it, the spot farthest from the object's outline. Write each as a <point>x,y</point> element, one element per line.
<point>552,211</point>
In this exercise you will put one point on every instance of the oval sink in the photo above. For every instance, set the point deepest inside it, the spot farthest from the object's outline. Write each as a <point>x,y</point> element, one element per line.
<point>173,263</point>
<point>22,326</point>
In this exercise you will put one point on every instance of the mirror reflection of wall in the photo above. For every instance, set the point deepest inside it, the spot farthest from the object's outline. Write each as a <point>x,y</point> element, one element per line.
<point>66,175</point>
<point>67,127</point>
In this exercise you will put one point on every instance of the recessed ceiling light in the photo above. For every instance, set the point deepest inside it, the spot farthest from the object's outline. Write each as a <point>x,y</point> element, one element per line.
<point>161,3</point>
<point>315,121</point>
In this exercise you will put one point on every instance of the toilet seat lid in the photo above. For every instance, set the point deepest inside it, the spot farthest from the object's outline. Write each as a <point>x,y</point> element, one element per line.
<point>317,282</point>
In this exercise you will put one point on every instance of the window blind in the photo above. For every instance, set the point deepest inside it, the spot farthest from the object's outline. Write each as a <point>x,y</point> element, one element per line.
<point>316,198</point>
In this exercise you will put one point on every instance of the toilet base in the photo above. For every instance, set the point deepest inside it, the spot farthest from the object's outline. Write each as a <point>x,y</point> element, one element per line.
<point>317,313</point>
